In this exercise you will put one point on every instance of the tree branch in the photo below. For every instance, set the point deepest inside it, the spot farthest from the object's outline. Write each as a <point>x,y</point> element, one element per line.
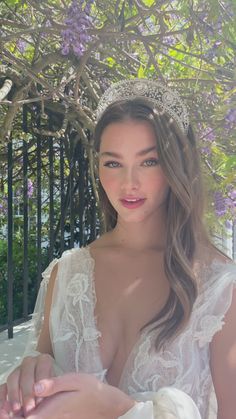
<point>5,89</point>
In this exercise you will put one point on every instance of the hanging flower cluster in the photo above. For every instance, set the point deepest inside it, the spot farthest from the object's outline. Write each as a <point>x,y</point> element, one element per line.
<point>21,45</point>
<point>75,37</point>
<point>3,206</point>
<point>17,197</point>
<point>225,203</point>
<point>230,118</point>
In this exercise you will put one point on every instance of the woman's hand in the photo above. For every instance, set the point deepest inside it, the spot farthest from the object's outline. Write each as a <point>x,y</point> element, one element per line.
<point>79,395</point>
<point>17,394</point>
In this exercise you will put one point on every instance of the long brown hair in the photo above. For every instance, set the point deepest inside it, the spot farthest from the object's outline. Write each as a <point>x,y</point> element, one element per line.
<point>178,156</point>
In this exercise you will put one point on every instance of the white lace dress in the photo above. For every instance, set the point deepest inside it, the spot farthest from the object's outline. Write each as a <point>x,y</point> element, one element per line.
<point>184,365</point>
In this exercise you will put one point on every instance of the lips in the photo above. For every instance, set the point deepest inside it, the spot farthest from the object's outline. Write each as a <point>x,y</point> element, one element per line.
<point>132,202</point>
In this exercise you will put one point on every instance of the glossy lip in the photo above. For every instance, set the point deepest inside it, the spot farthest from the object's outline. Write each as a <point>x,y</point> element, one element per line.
<point>125,198</point>
<point>132,205</point>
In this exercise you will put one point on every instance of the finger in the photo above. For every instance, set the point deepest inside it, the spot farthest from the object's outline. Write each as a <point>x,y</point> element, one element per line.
<point>27,380</point>
<point>4,403</point>
<point>44,369</point>
<point>3,414</point>
<point>57,406</point>
<point>67,382</point>
<point>13,390</point>
<point>3,394</point>
<point>7,407</point>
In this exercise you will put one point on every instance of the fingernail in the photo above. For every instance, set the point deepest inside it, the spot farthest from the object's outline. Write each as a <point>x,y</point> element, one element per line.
<point>39,388</point>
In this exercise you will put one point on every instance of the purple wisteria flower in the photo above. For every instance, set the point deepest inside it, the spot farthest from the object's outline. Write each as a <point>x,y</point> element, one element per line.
<point>207,133</point>
<point>78,21</point>
<point>3,206</point>
<point>213,51</point>
<point>47,25</point>
<point>232,198</point>
<point>210,97</point>
<point>230,118</point>
<point>21,45</point>
<point>220,204</point>
<point>30,188</point>
<point>232,195</point>
<point>170,40</point>
<point>206,151</point>
<point>224,204</point>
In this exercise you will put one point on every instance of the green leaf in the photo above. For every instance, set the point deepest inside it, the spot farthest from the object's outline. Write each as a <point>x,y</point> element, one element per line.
<point>230,163</point>
<point>12,2</point>
<point>148,3</point>
<point>111,61</point>
<point>141,72</point>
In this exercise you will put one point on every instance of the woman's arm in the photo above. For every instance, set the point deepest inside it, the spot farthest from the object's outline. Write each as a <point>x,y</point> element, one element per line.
<point>223,364</point>
<point>36,364</point>
<point>44,342</point>
<point>72,393</point>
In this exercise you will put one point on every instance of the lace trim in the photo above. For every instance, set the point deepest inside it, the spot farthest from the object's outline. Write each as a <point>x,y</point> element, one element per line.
<point>75,304</point>
<point>47,273</point>
<point>208,326</point>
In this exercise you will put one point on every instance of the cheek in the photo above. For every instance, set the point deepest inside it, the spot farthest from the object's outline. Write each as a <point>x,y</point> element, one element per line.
<point>157,181</point>
<point>108,181</point>
<point>159,187</point>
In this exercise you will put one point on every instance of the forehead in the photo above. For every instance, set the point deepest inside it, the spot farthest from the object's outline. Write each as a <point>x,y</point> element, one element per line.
<point>135,134</point>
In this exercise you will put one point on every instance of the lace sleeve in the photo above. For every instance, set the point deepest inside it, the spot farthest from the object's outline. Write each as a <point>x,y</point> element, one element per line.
<point>214,302</point>
<point>166,403</point>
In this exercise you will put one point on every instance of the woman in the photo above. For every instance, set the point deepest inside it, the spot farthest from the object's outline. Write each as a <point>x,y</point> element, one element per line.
<point>142,321</point>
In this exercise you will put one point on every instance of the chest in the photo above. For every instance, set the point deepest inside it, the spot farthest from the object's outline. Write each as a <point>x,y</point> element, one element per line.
<point>129,293</point>
<point>185,362</point>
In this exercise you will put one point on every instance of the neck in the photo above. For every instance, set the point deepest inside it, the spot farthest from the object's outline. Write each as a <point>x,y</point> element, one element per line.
<point>146,235</point>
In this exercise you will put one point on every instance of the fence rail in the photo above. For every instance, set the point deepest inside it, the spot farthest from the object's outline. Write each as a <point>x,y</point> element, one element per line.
<point>59,170</point>
<point>63,207</point>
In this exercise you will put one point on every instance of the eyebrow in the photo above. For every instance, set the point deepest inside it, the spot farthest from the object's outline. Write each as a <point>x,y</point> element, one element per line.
<point>139,153</point>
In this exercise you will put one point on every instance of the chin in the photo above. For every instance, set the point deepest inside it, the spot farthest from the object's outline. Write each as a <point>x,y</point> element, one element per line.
<point>134,218</point>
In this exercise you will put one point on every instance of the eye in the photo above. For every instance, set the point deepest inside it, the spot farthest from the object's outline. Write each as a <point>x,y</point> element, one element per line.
<point>151,162</point>
<point>112,164</point>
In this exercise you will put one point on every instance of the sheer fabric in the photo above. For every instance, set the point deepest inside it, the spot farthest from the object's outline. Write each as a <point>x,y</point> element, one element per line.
<point>183,365</point>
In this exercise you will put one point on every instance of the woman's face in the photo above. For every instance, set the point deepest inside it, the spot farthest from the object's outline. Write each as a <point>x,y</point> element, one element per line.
<point>130,172</point>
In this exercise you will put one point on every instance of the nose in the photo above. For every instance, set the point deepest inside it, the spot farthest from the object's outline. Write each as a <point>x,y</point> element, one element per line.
<point>130,179</point>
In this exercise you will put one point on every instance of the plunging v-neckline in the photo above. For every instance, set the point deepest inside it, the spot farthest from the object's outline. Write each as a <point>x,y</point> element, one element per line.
<point>133,351</point>
<point>147,331</point>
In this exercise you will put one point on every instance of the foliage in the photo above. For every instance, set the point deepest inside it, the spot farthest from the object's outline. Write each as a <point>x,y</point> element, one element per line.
<point>56,59</point>
<point>17,278</point>
<point>58,56</point>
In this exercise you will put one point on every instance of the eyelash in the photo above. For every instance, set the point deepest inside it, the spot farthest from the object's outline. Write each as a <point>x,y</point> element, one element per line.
<point>111,164</point>
<point>156,161</point>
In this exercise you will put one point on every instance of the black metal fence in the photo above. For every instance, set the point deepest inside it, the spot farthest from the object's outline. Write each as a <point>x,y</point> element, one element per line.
<point>38,224</point>
<point>59,212</point>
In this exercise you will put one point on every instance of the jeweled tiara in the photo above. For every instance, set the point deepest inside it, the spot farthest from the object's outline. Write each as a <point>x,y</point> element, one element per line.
<point>156,93</point>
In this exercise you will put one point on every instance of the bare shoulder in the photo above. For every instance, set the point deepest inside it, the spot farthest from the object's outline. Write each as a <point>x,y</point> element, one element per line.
<point>44,342</point>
